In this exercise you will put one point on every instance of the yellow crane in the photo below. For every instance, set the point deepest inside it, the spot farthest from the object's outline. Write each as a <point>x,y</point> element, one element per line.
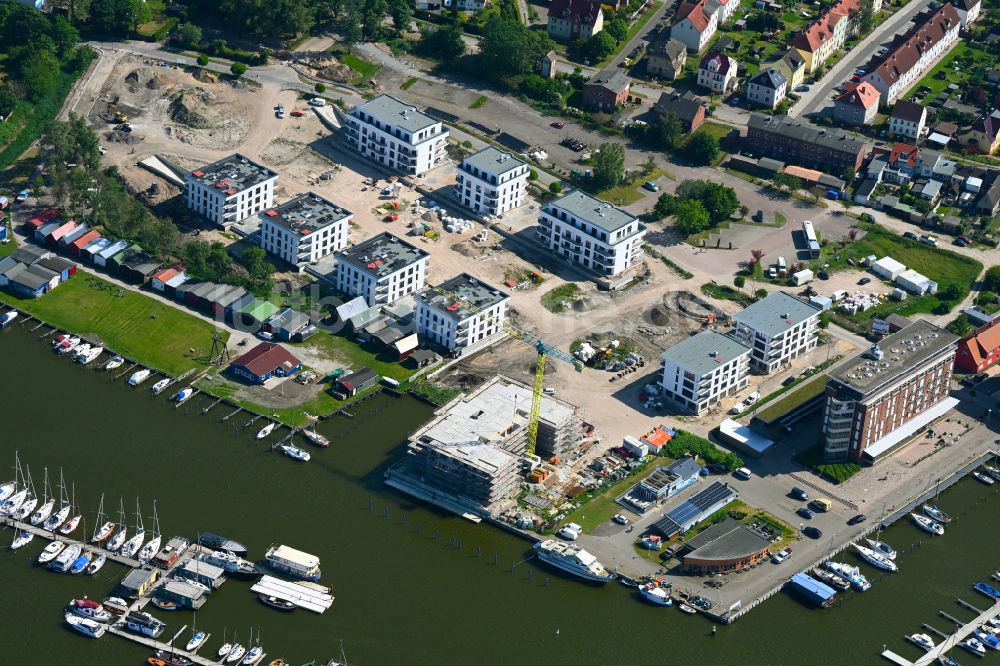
<point>543,348</point>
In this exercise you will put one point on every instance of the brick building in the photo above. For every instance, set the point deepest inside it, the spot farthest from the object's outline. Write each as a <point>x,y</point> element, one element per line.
<point>608,89</point>
<point>978,351</point>
<point>797,142</point>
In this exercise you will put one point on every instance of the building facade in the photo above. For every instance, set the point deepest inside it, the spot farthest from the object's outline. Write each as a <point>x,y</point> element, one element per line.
<point>591,233</point>
<point>491,182</point>
<point>767,88</point>
<point>666,59</point>
<point>908,119</point>
<point>877,400</point>
<point>606,91</point>
<point>688,107</point>
<point>794,141</point>
<point>230,190</point>
<point>461,313</point>
<point>857,105</point>
<point>717,72</point>
<point>979,350</point>
<point>777,329</point>
<point>827,34</point>
<point>393,133</point>
<point>702,370</point>
<point>570,20</point>
<point>381,269</point>
<point>305,229</point>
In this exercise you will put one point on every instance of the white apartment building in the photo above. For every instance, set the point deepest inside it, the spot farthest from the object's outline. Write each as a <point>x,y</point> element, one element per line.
<point>462,313</point>
<point>767,88</point>
<point>591,233</point>
<point>394,133</point>
<point>304,230</point>
<point>491,182</point>
<point>230,190</point>
<point>908,119</point>
<point>777,329</point>
<point>701,370</point>
<point>382,269</point>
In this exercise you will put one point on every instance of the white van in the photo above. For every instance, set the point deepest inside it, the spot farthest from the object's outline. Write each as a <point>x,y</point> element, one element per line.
<point>743,473</point>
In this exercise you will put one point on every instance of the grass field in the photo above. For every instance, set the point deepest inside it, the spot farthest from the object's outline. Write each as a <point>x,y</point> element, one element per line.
<point>555,301</point>
<point>973,64</point>
<point>134,325</point>
<point>354,356</point>
<point>602,505</point>
<point>362,67</point>
<point>480,102</point>
<point>408,83</point>
<point>794,399</point>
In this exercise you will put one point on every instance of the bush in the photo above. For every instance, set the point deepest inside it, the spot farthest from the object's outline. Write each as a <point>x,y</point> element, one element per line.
<point>202,60</point>
<point>532,175</point>
<point>739,281</point>
<point>685,443</point>
<point>555,188</point>
<point>320,88</point>
<point>238,69</point>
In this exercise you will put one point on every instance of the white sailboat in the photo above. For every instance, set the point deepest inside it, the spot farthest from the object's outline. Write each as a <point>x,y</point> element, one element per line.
<point>30,500</point>
<point>14,501</point>
<point>928,525</point>
<point>133,545</point>
<point>48,503</point>
<point>22,539</point>
<point>59,517</point>
<point>51,552</point>
<point>75,516</point>
<point>150,549</point>
<point>104,528</point>
<point>6,490</point>
<point>876,559</point>
<point>119,538</point>
<point>267,430</point>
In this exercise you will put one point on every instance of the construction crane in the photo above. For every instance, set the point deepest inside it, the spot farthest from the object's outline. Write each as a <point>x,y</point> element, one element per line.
<point>543,348</point>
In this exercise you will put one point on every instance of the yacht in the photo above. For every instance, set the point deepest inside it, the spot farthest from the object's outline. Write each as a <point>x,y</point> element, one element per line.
<point>876,559</point>
<point>973,645</point>
<point>42,513</point>
<point>27,506</point>
<point>51,552</point>
<point>254,655</point>
<point>68,345</point>
<point>945,660</point>
<point>66,558</point>
<point>183,395</point>
<point>224,651</point>
<point>992,471</point>
<point>134,545</point>
<point>928,525</point>
<point>983,478</point>
<point>830,578</point>
<point>922,640</point>
<point>267,430</point>
<point>295,453</point>
<point>851,574</point>
<point>103,532</point>
<point>315,438</point>
<point>22,540</point>
<point>7,318</point>
<point>115,363</point>
<point>987,639</point>
<point>89,609</point>
<point>138,377</point>
<point>236,654</point>
<point>572,560</point>
<point>216,542</point>
<point>97,564</point>
<point>12,503</point>
<point>882,548</point>
<point>70,525</point>
<point>655,594</point>
<point>231,563</point>
<point>91,356</point>
<point>81,563</point>
<point>53,522</point>
<point>937,514</point>
<point>159,386</point>
<point>6,490</point>
<point>80,351</point>
<point>86,626</point>
<point>147,552</point>
<point>196,641</point>
<point>118,540</point>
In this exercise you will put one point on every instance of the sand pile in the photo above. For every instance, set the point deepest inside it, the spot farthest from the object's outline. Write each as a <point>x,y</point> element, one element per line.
<point>190,108</point>
<point>204,76</point>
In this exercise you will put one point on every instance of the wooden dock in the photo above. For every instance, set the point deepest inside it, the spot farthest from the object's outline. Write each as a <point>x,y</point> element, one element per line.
<point>950,642</point>
<point>154,644</point>
<point>45,534</point>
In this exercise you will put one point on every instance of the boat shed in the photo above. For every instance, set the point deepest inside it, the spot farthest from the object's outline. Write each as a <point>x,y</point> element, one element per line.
<point>421,358</point>
<point>405,346</point>
<point>91,251</point>
<point>175,282</point>
<point>85,240</point>
<point>351,308</point>
<point>43,231</point>
<point>29,254</point>
<point>196,296</point>
<point>285,323</point>
<point>117,261</point>
<point>45,217</point>
<point>32,281</point>
<point>64,268</point>
<point>202,572</point>
<point>184,594</point>
<point>813,591</point>
<point>356,382</point>
<point>52,238</point>
<point>139,268</point>
<point>232,310</point>
<point>257,311</point>
<point>138,582</point>
<point>264,361</point>
<point>160,279</point>
<point>72,235</point>
<point>221,300</point>
<point>101,259</point>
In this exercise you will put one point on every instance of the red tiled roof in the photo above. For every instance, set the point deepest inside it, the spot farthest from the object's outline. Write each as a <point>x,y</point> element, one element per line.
<point>578,11</point>
<point>820,30</point>
<point>166,274</point>
<point>970,348</point>
<point>265,357</point>
<point>907,48</point>
<point>694,12</point>
<point>724,62</point>
<point>989,339</point>
<point>904,152</point>
<point>86,239</point>
<point>862,94</point>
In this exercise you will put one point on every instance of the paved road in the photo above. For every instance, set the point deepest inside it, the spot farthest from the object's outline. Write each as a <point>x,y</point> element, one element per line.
<point>819,96</point>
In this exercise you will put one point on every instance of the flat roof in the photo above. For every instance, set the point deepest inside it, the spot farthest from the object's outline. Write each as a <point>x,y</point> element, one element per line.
<point>294,555</point>
<point>599,213</point>
<point>727,540</point>
<point>902,352</point>
<point>468,290</point>
<point>745,437</point>
<point>776,313</point>
<point>382,255</point>
<point>704,352</point>
<point>305,214</point>
<point>492,160</point>
<point>397,113</point>
<point>233,174</point>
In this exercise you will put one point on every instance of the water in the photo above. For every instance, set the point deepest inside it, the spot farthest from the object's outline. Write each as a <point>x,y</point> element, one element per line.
<point>402,594</point>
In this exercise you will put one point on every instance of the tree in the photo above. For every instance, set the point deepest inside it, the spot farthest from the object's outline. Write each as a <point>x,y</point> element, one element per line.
<point>649,166</point>
<point>824,320</point>
<point>744,211</point>
<point>64,35</point>
<point>739,281</point>
<point>720,202</point>
<point>848,175</point>
<point>756,256</point>
<point>188,34</point>
<point>787,181</point>
<point>667,133</point>
<point>532,175</point>
<point>764,22</point>
<point>40,74</point>
<point>401,12</point>
<point>666,205</point>
<point>373,14</point>
<point>260,269</point>
<point>951,292</point>
<point>8,100</point>
<point>597,48</point>
<point>509,49</point>
<point>21,24</point>
<point>760,293</point>
<point>555,187</point>
<point>444,42</point>
<point>238,69</point>
<point>202,60</point>
<point>609,165</point>
<point>118,17</point>
<point>691,217</point>
<point>863,21</point>
<point>853,233</point>
<point>617,29</point>
<point>703,148</point>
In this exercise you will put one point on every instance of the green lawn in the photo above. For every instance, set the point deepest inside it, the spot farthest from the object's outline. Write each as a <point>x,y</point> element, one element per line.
<point>408,83</point>
<point>556,300</point>
<point>480,102</point>
<point>602,506</point>
<point>354,356</point>
<point>718,130</point>
<point>973,63</point>
<point>726,293</point>
<point>629,193</point>
<point>363,67</point>
<point>134,325</point>
<point>835,472</point>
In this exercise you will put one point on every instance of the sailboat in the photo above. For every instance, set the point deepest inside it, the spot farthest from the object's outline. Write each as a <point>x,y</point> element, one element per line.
<point>225,648</point>
<point>12,503</point>
<point>235,653</point>
<point>96,564</point>
<point>6,490</point>
<point>133,545</point>
<point>267,430</point>
<point>875,558</point>
<point>119,538</point>
<point>30,501</point>
<point>75,519</point>
<point>22,539</point>
<point>315,438</point>
<point>151,548</point>
<point>59,517</point>
<point>254,652</point>
<point>879,546</point>
<point>48,503</point>
<point>104,528</point>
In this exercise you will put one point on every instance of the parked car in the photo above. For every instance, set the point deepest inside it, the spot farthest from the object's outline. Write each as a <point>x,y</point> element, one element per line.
<point>558,125</point>
<point>620,519</point>
<point>864,280</point>
<point>266,335</point>
<point>317,101</point>
<point>651,186</point>
<point>788,381</point>
<point>981,377</point>
<point>802,88</point>
<point>858,519</point>
<point>821,504</point>
<point>910,235</point>
<point>743,473</point>
<point>280,113</point>
<point>813,532</point>
<point>781,556</point>
<point>800,494</point>
<point>758,216</point>
<point>704,471</point>
<point>961,243</point>
<point>805,512</point>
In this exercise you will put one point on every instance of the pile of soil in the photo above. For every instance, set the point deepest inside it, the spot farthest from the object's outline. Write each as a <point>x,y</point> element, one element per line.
<point>465,249</point>
<point>333,70</point>
<point>127,138</point>
<point>188,108</point>
<point>204,76</point>
<point>154,82</point>
<point>660,315</point>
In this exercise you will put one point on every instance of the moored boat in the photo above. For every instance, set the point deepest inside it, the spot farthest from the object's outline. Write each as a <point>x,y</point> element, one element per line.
<point>992,471</point>
<point>68,345</point>
<point>182,395</point>
<point>97,564</point>
<point>875,558</point>
<point>922,640</point>
<point>80,350</point>
<point>684,608</point>
<point>138,377</point>
<point>851,574</point>
<point>158,387</point>
<point>51,552</point>
<point>830,578</point>
<point>973,645</point>
<point>572,560</point>
<point>115,363</point>
<point>882,548</point>
<point>7,318</point>
<point>90,356</point>
<point>66,558</point>
<point>276,603</point>
<point>70,525</point>
<point>983,478</point>
<point>7,489</point>
<point>224,650</point>
<point>80,564</point>
<point>267,430</point>
<point>217,542</point>
<point>196,641</point>
<point>89,609</point>
<point>236,654</point>
<point>295,453</point>
<point>164,658</point>
<point>315,438</point>
<point>655,594</point>
<point>103,532</point>
<point>22,540</point>
<point>58,518</point>
<point>937,514</point>
<point>928,525</point>
<point>253,655</point>
<point>85,626</point>
<point>164,604</point>
<point>987,589</point>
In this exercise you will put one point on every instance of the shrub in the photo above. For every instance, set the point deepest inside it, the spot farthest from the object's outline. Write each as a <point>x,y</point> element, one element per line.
<point>685,443</point>
<point>238,69</point>
<point>555,188</point>
<point>321,88</point>
<point>202,60</point>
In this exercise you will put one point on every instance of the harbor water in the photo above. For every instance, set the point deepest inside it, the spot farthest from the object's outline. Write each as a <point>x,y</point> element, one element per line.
<point>412,585</point>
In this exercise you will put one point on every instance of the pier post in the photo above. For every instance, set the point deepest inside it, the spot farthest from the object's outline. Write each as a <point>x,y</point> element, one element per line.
<point>496,558</point>
<point>386,511</point>
<point>478,551</point>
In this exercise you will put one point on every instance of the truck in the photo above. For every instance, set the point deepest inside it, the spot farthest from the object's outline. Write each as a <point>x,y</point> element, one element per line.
<point>782,266</point>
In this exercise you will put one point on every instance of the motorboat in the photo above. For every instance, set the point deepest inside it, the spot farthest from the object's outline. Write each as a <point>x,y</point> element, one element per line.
<point>922,640</point>
<point>97,564</point>
<point>196,641</point>
<point>876,559</point>
<point>236,654</point>
<point>987,589</point>
<point>267,430</point>
<point>158,387</point>
<point>232,564</point>
<point>70,525</point>
<point>138,377</point>
<point>86,626</point>
<point>80,564</point>
<point>90,356</point>
<point>51,552</point>
<point>316,438</point>
<point>945,660</point>
<point>987,639</point>
<point>80,350</point>
<point>224,650</point>
<point>830,578</point>
<point>882,548</point>
<point>928,525</point>
<point>655,594</point>
<point>7,489</point>
<point>851,574</point>
<point>572,560</point>
<point>164,604</point>
<point>973,645</point>
<point>295,453</point>
<point>684,608</point>
<point>66,558</point>
<point>937,514</point>
<point>89,609</point>
<point>164,658</point>
<point>22,540</point>
<point>68,345</point>
<point>278,662</point>
<point>7,318</point>
<point>115,363</point>
<point>276,603</point>
<point>983,478</point>
<point>59,339</point>
<point>182,395</point>
<point>217,542</point>
<point>992,471</point>
<point>254,655</point>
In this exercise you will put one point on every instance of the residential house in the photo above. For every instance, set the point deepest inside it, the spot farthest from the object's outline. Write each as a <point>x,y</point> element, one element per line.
<point>857,105</point>
<point>354,383</point>
<point>666,59</point>
<point>688,107</point>
<point>701,370</point>
<point>491,182</point>
<point>304,229</point>
<point>777,329</point>
<point>902,163</point>
<point>968,11</point>
<point>264,361</point>
<point>792,66</point>
<point>606,91</point>
<point>695,24</point>
<point>908,119</point>
<point>383,269</point>
<point>795,141</point>
<point>570,20</point>
<point>984,134</point>
<point>463,313</point>
<point>717,72</point>
<point>979,350</point>
<point>913,52</point>
<point>767,88</point>
<point>826,35</point>
<point>286,323</point>
<point>388,131</point>
<point>230,190</point>
<point>547,65</point>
